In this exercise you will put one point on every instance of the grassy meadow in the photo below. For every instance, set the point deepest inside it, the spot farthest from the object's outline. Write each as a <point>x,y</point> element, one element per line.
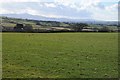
<point>60,55</point>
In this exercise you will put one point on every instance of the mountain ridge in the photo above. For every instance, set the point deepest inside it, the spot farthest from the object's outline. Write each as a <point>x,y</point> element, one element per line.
<point>36,17</point>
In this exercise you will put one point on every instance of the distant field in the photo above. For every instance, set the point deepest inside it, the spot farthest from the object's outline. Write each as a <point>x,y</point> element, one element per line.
<point>8,24</point>
<point>60,55</point>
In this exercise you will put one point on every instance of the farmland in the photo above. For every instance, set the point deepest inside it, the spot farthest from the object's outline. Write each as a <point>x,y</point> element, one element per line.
<point>38,26</point>
<point>60,55</point>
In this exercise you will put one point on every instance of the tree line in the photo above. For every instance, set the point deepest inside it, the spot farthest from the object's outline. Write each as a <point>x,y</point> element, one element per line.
<point>78,27</point>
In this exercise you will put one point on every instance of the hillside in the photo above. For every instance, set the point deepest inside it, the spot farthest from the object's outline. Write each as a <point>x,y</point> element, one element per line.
<point>8,23</point>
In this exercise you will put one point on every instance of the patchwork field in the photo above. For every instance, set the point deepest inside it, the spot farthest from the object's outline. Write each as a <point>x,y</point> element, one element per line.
<point>60,55</point>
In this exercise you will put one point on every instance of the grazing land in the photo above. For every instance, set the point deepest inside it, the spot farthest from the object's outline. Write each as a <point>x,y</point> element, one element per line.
<point>38,26</point>
<point>60,55</point>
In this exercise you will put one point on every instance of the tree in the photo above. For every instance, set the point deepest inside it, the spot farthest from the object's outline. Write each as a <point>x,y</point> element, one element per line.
<point>21,27</point>
<point>18,27</point>
<point>105,29</point>
<point>37,23</point>
<point>79,26</point>
<point>28,28</point>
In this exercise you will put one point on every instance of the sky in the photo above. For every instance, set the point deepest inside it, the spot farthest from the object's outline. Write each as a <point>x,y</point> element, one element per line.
<point>106,10</point>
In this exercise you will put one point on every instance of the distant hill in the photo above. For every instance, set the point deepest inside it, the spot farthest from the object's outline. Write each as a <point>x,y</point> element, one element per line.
<point>36,17</point>
<point>48,26</point>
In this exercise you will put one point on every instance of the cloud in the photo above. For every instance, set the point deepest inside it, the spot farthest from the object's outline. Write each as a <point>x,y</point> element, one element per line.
<point>50,5</point>
<point>106,13</point>
<point>112,7</point>
<point>66,1</point>
<point>9,1</point>
<point>77,9</point>
<point>19,1</point>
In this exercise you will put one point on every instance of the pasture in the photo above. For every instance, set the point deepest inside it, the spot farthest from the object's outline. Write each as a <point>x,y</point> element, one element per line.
<point>60,55</point>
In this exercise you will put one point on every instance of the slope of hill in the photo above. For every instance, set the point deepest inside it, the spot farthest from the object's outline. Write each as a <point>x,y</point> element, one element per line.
<point>42,25</point>
<point>36,17</point>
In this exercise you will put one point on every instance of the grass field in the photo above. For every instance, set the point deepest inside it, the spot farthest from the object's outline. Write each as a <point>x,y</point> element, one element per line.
<point>60,55</point>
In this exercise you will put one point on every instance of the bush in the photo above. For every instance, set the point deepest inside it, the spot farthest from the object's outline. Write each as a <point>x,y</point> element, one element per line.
<point>105,29</point>
<point>79,26</point>
<point>18,27</point>
<point>28,28</point>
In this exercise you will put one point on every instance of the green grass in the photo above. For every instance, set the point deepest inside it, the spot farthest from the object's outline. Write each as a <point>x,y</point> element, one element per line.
<point>60,55</point>
<point>8,24</point>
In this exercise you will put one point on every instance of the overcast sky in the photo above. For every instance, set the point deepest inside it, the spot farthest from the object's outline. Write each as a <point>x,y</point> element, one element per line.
<point>75,9</point>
